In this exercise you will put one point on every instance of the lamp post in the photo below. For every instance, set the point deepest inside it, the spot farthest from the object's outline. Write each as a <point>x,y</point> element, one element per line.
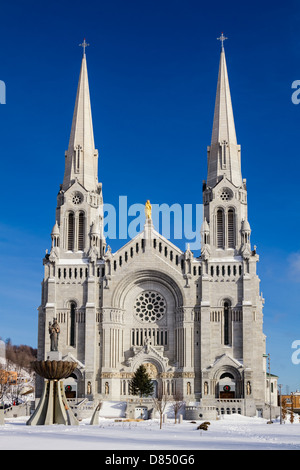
<point>269,364</point>
<point>279,385</point>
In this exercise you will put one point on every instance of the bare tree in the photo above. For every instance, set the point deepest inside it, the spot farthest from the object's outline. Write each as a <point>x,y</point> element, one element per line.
<point>4,384</point>
<point>284,408</point>
<point>17,360</point>
<point>292,409</point>
<point>160,402</point>
<point>177,404</point>
<point>21,355</point>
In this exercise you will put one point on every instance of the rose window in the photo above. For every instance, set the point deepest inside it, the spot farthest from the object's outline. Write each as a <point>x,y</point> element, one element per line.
<point>77,198</point>
<point>150,306</point>
<point>225,194</point>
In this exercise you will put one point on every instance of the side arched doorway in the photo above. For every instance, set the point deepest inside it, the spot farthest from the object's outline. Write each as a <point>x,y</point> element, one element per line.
<point>70,384</point>
<point>227,386</point>
<point>74,385</point>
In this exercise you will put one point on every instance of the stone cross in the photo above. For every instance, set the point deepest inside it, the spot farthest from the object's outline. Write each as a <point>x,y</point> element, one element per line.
<point>222,38</point>
<point>84,45</point>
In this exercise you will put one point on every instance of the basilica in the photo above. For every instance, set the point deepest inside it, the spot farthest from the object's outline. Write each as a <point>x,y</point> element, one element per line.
<point>196,323</point>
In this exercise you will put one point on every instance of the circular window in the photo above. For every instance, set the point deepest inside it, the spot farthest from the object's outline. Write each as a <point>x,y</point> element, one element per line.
<point>150,306</point>
<point>225,194</point>
<point>77,198</point>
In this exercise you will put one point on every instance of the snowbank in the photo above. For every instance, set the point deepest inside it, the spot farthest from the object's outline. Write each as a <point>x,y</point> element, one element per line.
<point>232,432</point>
<point>113,409</point>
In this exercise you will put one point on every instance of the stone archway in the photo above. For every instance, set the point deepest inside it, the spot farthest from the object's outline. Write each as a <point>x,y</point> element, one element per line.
<point>227,386</point>
<point>228,383</point>
<point>71,387</point>
<point>143,276</point>
<point>75,383</point>
<point>149,301</point>
<point>225,372</point>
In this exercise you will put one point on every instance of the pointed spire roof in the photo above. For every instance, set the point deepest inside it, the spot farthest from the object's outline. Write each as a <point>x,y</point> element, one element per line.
<point>224,152</point>
<point>82,126</point>
<point>223,125</point>
<point>81,156</point>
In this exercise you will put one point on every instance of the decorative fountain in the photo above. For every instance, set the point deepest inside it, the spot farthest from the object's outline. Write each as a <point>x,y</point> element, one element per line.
<point>53,407</point>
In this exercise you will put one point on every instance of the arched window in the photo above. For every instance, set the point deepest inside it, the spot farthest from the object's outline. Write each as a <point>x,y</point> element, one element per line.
<point>220,229</point>
<point>226,323</point>
<point>230,225</point>
<point>81,231</point>
<point>71,232</point>
<point>72,323</point>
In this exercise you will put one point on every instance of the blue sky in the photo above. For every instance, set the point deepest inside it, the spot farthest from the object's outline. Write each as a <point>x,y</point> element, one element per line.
<point>153,72</point>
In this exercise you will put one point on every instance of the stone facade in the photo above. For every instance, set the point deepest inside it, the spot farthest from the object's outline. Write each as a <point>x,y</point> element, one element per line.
<point>196,323</point>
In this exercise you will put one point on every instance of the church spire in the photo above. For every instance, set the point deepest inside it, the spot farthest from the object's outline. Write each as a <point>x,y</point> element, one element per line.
<point>81,156</point>
<point>223,153</point>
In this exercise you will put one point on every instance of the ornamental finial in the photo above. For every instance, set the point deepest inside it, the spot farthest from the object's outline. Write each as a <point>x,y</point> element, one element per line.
<point>84,45</point>
<point>222,38</point>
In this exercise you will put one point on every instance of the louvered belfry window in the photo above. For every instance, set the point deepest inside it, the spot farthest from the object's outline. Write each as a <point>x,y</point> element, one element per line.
<point>71,232</point>
<point>220,229</point>
<point>72,323</point>
<point>81,232</point>
<point>230,228</point>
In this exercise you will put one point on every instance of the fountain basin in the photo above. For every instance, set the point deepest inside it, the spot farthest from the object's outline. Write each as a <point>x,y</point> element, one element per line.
<point>54,370</point>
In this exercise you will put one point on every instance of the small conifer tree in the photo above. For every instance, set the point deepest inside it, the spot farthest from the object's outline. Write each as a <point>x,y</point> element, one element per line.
<point>141,384</point>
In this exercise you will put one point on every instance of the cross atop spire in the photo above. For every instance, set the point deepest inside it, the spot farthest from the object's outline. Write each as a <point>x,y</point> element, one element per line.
<point>85,44</point>
<point>222,38</point>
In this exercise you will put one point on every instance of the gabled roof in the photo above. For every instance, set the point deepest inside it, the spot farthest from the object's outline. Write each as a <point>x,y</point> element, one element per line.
<point>151,233</point>
<point>225,360</point>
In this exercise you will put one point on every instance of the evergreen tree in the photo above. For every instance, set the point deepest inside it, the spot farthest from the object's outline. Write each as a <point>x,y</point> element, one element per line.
<point>141,384</point>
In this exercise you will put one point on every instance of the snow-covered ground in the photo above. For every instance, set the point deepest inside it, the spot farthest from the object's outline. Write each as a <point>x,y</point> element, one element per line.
<point>230,432</point>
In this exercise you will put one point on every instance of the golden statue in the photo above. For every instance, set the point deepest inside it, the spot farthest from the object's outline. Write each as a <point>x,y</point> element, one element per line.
<point>148,209</point>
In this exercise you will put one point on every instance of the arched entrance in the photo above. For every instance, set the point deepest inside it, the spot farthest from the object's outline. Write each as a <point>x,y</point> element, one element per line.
<point>70,385</point>
<point>227,386</point>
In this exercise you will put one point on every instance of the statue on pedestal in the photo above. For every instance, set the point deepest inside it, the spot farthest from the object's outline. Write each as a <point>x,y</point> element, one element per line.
<point>54,331</point>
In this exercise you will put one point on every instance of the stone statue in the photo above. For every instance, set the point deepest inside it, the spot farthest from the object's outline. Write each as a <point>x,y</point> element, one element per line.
<point>148,209</point>
<point>54,331</point>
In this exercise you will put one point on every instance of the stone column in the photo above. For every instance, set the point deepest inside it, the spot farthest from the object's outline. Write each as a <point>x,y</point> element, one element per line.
<point>90,335</point>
